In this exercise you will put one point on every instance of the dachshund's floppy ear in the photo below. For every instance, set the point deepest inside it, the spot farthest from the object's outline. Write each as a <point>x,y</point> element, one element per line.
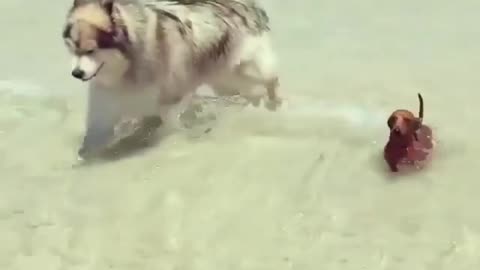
<point>415,136</point>
<point>391,121</point>
<point>417,124</point>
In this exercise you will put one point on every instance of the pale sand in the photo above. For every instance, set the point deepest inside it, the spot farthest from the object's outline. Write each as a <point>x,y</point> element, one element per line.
<point>304,188</point>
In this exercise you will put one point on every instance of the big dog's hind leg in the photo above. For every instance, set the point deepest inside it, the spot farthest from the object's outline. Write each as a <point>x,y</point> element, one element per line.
<point>260,69</point>
<point>170,111</point>
<point>250,74</point>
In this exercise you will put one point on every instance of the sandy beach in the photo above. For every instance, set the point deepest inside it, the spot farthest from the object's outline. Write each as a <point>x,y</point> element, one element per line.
<point>303,188</point>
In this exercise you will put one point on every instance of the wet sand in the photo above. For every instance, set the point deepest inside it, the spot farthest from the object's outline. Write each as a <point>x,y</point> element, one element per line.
<point>303,188</point>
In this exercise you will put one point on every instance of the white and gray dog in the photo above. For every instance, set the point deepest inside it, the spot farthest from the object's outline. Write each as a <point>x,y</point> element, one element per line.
<point>145,59</point>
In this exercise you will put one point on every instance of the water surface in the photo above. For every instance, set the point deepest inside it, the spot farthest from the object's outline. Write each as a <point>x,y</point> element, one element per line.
<point>304,188</point>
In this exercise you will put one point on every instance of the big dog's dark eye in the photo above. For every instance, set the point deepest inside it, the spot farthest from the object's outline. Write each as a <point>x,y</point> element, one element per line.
<point>89,52</point>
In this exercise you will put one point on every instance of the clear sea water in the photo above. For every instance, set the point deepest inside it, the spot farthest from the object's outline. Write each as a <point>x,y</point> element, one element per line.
<point>303,188</point>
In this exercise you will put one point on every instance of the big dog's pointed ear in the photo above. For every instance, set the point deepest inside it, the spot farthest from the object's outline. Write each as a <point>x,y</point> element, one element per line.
<point>77,3</point>
<point>107,5</point>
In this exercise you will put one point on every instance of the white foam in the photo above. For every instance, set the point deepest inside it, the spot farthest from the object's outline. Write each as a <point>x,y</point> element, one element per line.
<point>354,115</point>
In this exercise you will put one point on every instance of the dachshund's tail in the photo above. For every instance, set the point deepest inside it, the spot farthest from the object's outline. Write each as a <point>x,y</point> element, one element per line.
<point>420,111</point>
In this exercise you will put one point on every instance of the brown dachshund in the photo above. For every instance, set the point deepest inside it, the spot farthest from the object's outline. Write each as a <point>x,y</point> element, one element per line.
<point>410,142</point>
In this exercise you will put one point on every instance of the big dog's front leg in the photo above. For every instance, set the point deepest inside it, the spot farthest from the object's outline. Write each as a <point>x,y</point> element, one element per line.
<point>103,113</point>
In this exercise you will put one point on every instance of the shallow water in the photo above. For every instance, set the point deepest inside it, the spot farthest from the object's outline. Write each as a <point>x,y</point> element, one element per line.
<point>304,188</point>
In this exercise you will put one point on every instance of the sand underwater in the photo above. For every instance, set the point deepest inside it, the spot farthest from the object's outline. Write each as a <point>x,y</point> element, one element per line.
<point>303,188</point>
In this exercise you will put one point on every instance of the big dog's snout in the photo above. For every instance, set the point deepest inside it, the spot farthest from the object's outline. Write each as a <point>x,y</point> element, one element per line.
<point>78,73</point>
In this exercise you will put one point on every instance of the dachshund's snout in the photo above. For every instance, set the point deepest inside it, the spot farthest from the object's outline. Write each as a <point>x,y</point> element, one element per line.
<point>397,131</point>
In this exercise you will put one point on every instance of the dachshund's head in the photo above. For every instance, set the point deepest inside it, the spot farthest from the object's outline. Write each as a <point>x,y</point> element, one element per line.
<point>404,124</point>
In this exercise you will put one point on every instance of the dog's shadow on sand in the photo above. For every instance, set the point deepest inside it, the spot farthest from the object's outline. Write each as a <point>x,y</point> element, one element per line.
<point>136,136</point>
<point>139,140</point>
<point>131,139</point>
